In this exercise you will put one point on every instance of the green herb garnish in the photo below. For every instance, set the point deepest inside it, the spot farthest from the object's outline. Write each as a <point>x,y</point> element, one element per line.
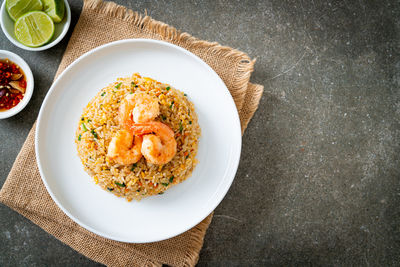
<point>121,185</point>
<point>172,103</point>
<point>171,179</point>
<point>84,127</point>
<point>133,167</point>
<point>168,88</point>
<point>180,127</point>
<point>94,134</point>
<point>165,184</point>
<point>185,94</point>
<point>110,189</point>
<point>190,122</point>
<point>187,156</point>
<point>103,93</point>
<point>133,84</point>
<point>79,137</point>
<point>118,85</point>
<point>89,120</point>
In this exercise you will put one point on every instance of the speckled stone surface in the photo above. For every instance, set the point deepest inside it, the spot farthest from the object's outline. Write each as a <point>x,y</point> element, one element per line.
<point>319,179</point>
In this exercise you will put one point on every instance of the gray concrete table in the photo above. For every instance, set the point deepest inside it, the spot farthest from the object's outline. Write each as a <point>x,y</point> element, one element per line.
<point>319,179</point>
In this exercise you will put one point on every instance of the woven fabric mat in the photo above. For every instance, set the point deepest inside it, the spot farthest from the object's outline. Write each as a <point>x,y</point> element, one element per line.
<point>100,23</point>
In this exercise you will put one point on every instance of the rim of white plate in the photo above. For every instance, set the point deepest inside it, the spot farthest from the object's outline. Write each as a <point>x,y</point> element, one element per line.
<point>232,169</point>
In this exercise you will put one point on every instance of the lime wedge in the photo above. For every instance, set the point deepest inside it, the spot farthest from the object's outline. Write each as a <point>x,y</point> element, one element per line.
<point>16,8</point>
<point>34,29</point>
<point>55,9</point>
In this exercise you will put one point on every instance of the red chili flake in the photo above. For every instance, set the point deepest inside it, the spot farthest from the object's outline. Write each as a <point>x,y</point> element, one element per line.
<point>22,83</point>
<point>14,69</point>
<point>10,100</point>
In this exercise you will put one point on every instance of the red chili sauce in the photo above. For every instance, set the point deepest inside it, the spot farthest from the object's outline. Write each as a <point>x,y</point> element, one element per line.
<point>12,84</point>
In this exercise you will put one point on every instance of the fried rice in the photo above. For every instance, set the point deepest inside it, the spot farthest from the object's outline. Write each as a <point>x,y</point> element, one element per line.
<point>99,123</point>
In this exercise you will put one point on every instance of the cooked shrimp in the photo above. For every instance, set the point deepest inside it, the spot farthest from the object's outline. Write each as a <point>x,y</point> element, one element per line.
<point>125,148</point>
<point>159,144</point>
<point>138,108</point>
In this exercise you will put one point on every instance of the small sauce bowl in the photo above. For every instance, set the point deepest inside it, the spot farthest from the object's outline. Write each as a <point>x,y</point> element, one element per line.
<point>61,29</point>
<point>29,83</point>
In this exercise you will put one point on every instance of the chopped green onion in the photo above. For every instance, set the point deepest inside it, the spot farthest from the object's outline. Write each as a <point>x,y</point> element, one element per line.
<point>185,94</point>
<point>118,85</point>
<point>110,189</point>
<point>133,85</point>
<point>187,156</point>
<point>190,122</point>
<point>84,127</point>
<point>180,127</point>
<point>165,184</point>
<point>89,120</point>
<point>121,185</point>
<point>103,93</point>
<point>79,137</point>
<point>94,134</point>
<point>133,167</point>
<point>172,103</point>
<point>168,88</point>
<point>171,179</point>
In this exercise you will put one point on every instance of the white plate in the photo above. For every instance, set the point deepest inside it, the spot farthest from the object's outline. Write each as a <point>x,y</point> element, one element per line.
<point>157,217</point>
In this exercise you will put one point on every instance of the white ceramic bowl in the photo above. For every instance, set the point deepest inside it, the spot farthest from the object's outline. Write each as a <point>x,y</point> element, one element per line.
<point>61,29</point>
<point>29,83</point>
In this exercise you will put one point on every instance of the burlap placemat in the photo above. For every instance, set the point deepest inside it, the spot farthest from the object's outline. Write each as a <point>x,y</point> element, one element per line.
<point>23,191</point>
